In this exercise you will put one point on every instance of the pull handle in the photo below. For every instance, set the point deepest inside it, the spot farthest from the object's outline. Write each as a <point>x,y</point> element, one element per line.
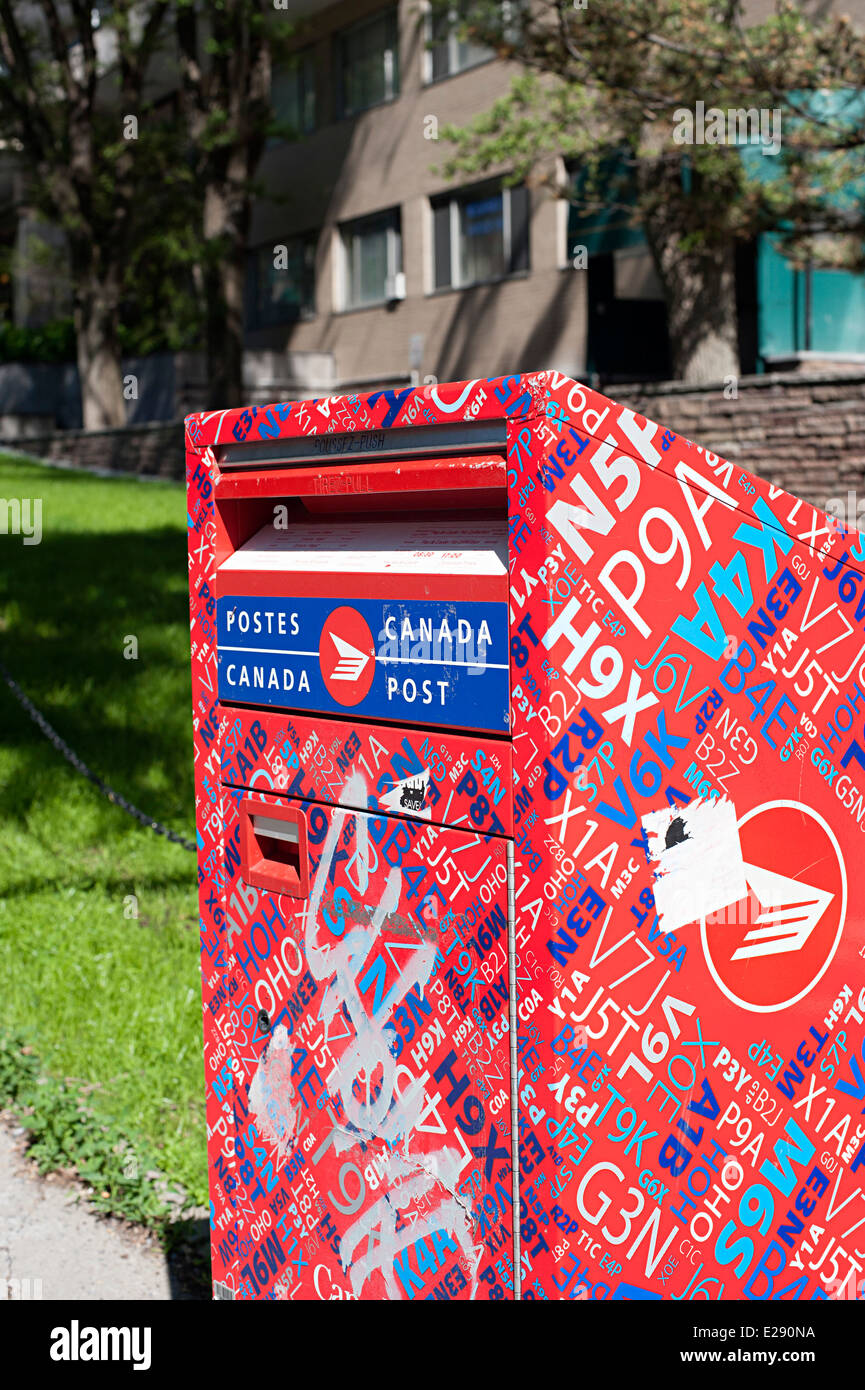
<point>273,848</point>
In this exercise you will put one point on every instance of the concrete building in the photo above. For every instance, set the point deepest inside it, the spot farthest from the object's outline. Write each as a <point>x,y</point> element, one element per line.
<point>367,266</point>
<point>367,243</point>
<point>396,269</point>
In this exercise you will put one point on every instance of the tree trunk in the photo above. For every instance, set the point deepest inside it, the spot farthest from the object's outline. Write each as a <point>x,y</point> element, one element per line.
<point>100,374</point>
<point>698,275</point>
<point>700,290</point>
<point>226,219</point>
<point>236,81</point>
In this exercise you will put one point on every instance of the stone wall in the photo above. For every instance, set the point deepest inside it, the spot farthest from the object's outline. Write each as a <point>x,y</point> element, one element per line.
<point>805,433</point>
<point>155,450</point>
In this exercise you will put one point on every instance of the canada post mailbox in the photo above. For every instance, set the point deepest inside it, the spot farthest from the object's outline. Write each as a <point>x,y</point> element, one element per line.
<point>530,790</point>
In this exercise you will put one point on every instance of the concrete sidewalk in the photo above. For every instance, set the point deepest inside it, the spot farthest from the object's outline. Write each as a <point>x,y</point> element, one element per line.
<point>48,1233</point>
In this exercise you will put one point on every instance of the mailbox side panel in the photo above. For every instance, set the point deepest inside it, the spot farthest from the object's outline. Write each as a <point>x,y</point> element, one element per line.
<point>687,696</point>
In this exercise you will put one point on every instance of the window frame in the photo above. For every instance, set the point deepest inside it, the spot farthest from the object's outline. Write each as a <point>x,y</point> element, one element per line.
<point>609,231</point>
<point>304,312</point>
<point>389,13</point>
<point>427,76</point>
<point>305,58</point>
<point>462,195</point>
<point>392,217</point>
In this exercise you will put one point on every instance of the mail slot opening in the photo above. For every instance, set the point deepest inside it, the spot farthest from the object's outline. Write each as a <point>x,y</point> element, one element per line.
<point>413,488</point>
<point>274,849</point>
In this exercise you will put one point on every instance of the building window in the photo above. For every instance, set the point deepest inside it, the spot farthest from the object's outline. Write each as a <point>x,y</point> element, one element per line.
<point>599,212</point>
<point>368,64</point>
<point>372,260</point>
<point>446,53</point>
<point>293,95</point>
<point>281,282</point>
<point>809,309</point>
<point>480,234</point>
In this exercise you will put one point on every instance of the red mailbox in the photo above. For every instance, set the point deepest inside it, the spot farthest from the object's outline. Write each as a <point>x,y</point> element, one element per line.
<point>530,771</point>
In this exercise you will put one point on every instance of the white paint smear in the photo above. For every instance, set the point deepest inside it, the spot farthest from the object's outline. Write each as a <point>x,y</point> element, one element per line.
<point>703,872</point>
<point>271,1093</point>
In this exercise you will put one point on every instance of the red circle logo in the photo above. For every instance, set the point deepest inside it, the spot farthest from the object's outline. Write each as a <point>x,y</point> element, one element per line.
<point>346,655</point>
<point>768,950</point>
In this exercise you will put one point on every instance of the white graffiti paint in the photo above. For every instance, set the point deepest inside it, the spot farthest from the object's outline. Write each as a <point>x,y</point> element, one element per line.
<point>377,1225</point>
<point>393,1103</point>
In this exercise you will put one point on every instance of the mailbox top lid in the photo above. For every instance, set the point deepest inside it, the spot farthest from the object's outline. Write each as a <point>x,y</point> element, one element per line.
<point>520,399</point>
<point>474,547</point>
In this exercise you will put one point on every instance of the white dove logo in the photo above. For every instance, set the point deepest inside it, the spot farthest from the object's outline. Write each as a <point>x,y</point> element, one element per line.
<point>351,664</point>
<point>791,912</point>
<point>346,656</point>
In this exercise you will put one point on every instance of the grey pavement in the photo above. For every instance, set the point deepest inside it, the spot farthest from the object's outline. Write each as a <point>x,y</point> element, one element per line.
<point>47,1232</point>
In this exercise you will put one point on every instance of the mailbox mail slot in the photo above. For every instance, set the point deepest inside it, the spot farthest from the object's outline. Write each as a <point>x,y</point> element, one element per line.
<point>530,775</point>
<point>274,852</point>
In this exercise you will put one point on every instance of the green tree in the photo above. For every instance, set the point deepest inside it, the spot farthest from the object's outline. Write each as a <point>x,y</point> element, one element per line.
<point>74,103</point>
<point>161,308</point>
<point>227,55</point>
<point>625,89</point>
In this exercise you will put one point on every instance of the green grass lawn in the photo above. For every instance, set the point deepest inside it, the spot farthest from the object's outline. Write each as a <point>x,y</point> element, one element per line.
<point>106,997</point>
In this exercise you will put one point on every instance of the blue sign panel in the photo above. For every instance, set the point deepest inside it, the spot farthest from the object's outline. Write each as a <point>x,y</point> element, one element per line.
<point>415,662</point>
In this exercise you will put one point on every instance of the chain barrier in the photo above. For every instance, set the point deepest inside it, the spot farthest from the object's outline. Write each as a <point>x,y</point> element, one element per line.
<point>73,758</point>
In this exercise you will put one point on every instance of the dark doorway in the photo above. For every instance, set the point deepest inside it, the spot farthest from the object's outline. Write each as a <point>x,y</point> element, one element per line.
<point>627,338</point>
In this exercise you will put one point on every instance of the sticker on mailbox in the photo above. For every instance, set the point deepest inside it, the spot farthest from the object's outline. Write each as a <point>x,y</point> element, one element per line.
<point>442,663</point>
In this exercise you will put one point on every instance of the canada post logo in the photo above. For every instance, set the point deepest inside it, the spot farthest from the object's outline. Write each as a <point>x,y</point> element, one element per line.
<point>767,951</point>
<point>346,655</point>
<point>421,662</point>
